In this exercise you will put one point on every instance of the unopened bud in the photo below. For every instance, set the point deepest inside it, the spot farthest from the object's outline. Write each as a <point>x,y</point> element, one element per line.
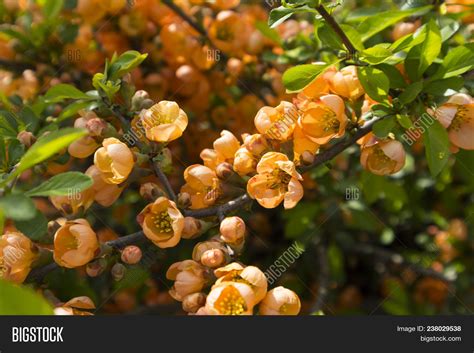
<point>224,171</point>
<point>96,126</point>
<point>192,228</point>
<point>232,230</point>
<point>201,248</point>
<point>118,271</point>
<point>213,258</point>
<point>131,255</point>
<point>192,302</point>
<point>307,158</point>
<point>54,225</point>
<point>138,98</point>
<point>26,138</point>
<point>150,191</point>
<point>95,268</point>
<point>184,200</point>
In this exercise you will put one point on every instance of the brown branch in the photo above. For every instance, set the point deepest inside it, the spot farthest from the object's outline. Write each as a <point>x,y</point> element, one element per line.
<point>164,181</point>
<point>330,21</point>
<point>323,280</point>
<point>220,210</point>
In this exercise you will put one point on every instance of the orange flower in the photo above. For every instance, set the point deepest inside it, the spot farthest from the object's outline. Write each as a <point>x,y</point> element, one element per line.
<point>324,119</point>
<point>244,162</point>
<point>75,244</point>
<point>17,253</point>
<point>230,298</point>
<point>232,230</point>
<point>76,306</point>
<point>315,89</point>
<point>457,116</point>
<point>226,145</point>
<point>302,143</point>
<point>162,222</point>
<point>229,32</point>
<point>277,123</point>
<point>346,83</point>
<point>72,204</point>
<point>114,160</point>
<point>164,122</point>
<point>104,194</point>
<point>277,180</point>
<point>280,301</point>
<point>189,277</point>
<point>211,158</point>
<point>382,157</point>
<point>86,145</point>
<point>202,185</point>
<point>250,275</point>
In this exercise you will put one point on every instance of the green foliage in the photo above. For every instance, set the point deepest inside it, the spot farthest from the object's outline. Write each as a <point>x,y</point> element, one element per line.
<point>18,300</point>
<point>436,141</point>
<point>44,148</point>
<point>298,77</point>
<point>375,83</point>
<point>62,92</point>
<point>17,207</point>
<point>62,184</point>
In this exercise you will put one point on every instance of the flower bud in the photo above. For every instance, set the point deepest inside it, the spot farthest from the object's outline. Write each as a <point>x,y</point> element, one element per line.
<point>192,302</point>
<point>96,126</point>
<point>131,255</point>
<point>150,191</point>
<point>184,200</point>
<point>202,247</point>
<point>26,138</point>
<point>280,301</point>
<point>138,98</point>
<point>213,258</point>
<point>118,271</point>
<point>232,230</point>
<point>224,171</point>
<point>95,268</point>
<point>307,158</point>
<point>192,228</point>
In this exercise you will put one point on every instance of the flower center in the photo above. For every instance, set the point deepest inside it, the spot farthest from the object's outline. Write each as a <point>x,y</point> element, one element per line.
<point>330,122</point>
<point>278,178</point>
<point>224,33</point>
<point>380,161</point>
<point>462,117</point>
<point>230,302</point>
<point>163,222</point>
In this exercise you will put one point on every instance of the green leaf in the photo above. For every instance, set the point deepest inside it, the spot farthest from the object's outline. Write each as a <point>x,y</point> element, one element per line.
<point>73,108</point>
<point>29,118</point>
<point>52,8</point>
<point>17,207</point>
<point>376,84</point>
<point>298,77</point>
<point>46,147</point>
<point>378,22</point>
<point>449,26</point>
<point>411,92</point>
<point>6,127</point>
<point>383,127</point>
<point>458,61</point>
<point>35,228</point>
<point>436,141</point>
<point>64,91</point>
<point>404,121</point>
<point>327,36</point>
<point>281,14</point>
<point>376,54</point>
<point>354,36</point>
<point>444,87</point>
<point>395,77</point>
<point>62,184</point>
<point>125,63</point>
<point>268,32</point>
<point>18,300</point>
<point>420,57</point>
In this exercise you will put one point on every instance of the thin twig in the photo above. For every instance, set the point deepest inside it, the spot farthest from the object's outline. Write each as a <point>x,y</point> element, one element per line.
<point>227,207</point>
<point>126,240</point>
<point>330,21</point>
<point>164,181</point>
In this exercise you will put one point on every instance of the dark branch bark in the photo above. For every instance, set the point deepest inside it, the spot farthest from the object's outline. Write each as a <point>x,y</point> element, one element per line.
<point>164,181</point>
<point>324,274</point>
<point>330,20</point>
<point>220,209</point>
